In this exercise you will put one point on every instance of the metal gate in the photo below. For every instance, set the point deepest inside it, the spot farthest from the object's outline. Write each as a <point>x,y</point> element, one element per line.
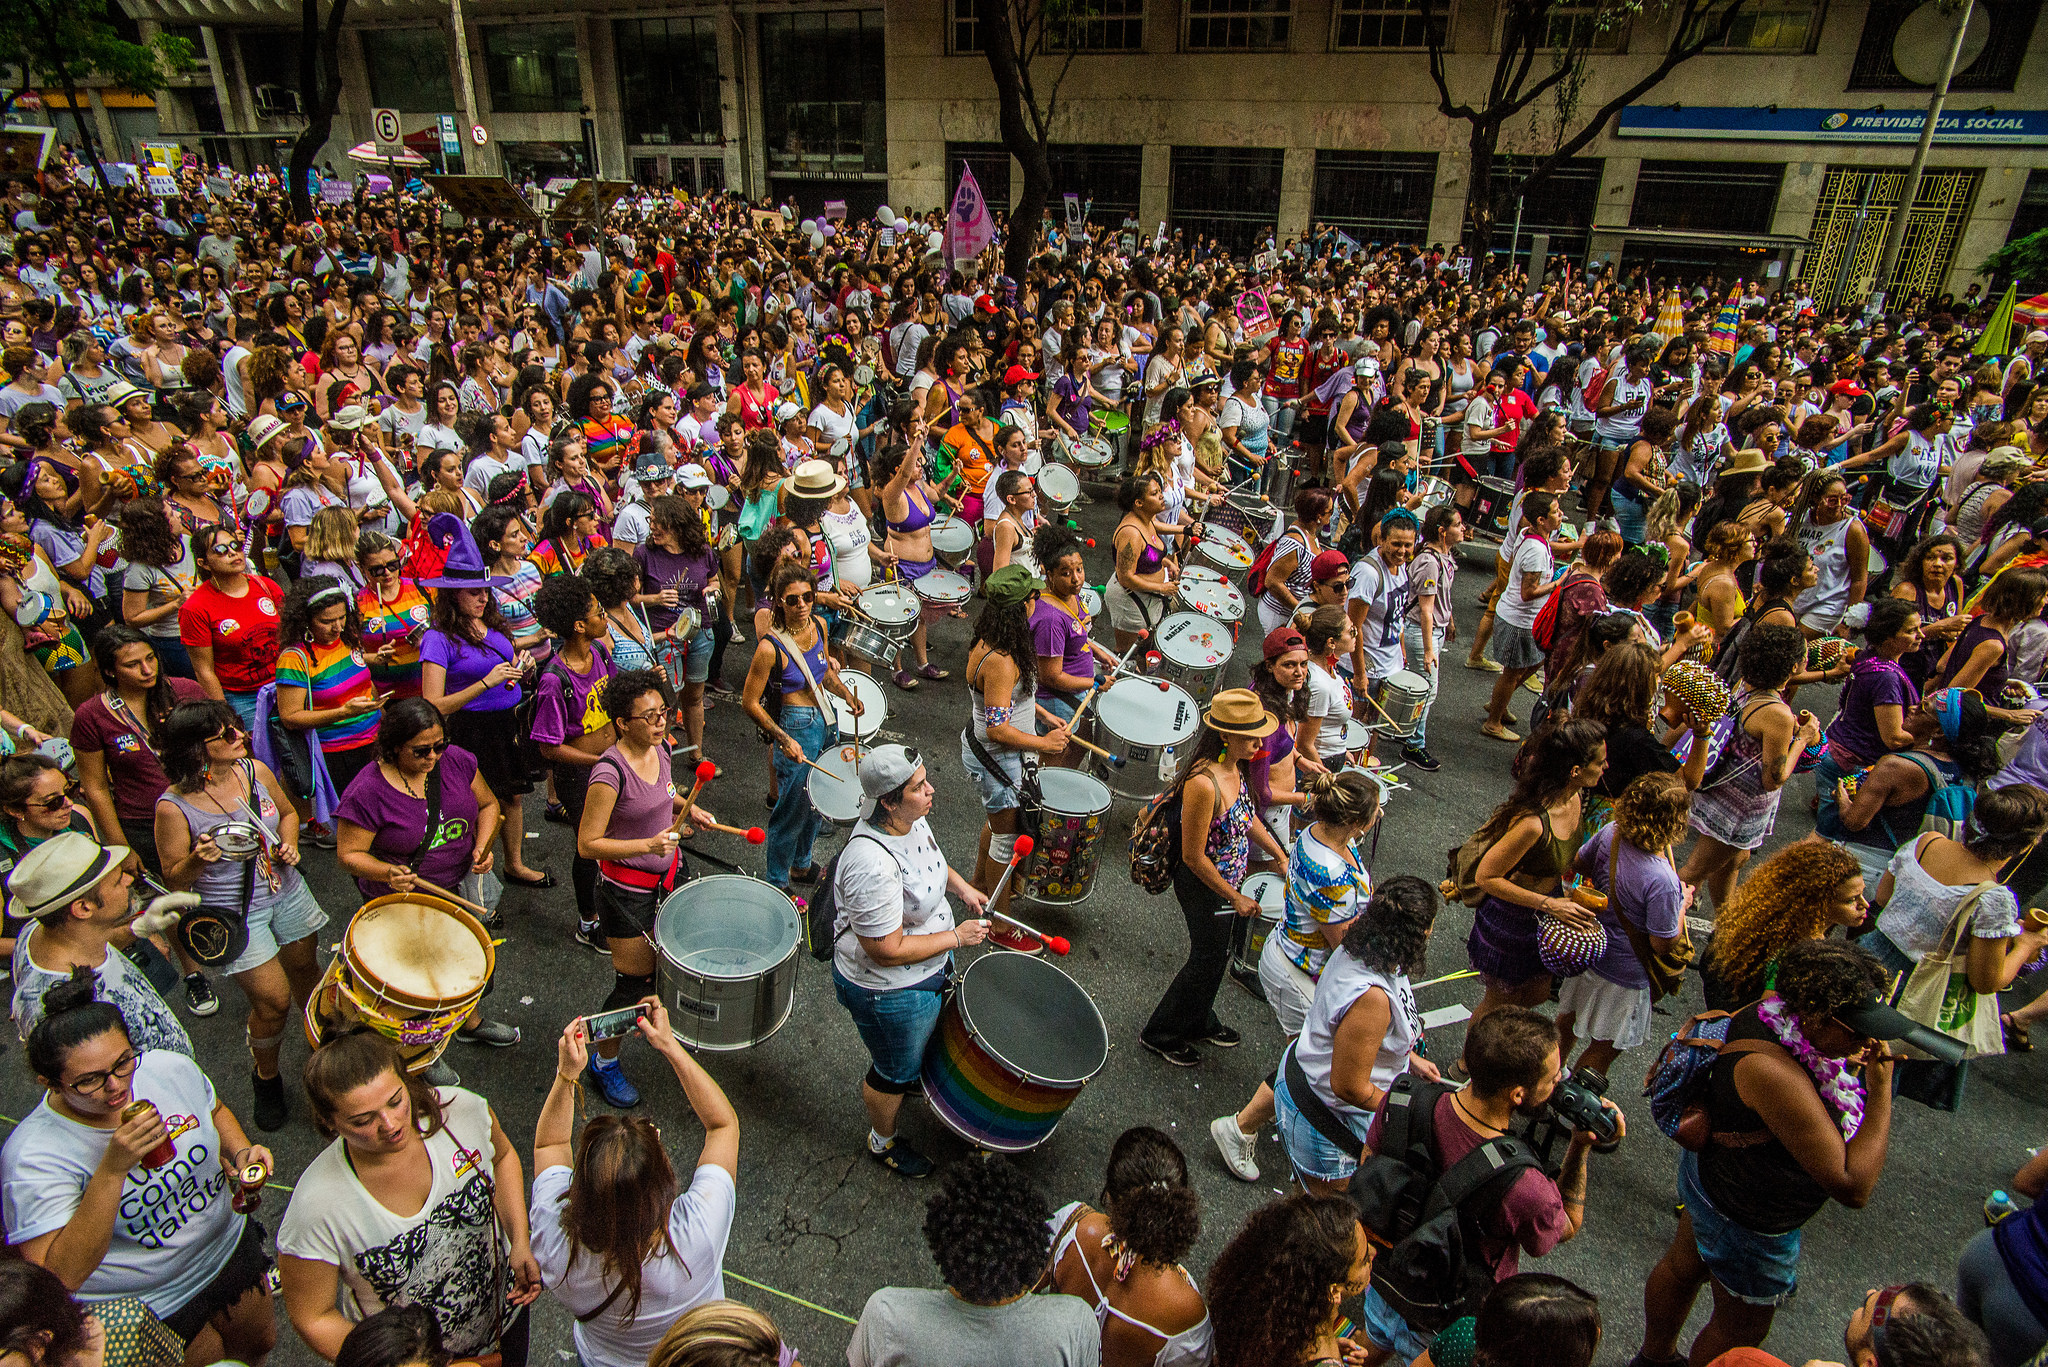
<point>1853,216</point>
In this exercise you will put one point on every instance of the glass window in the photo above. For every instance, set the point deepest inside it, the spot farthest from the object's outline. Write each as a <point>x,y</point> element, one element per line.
<point>533,69</point>
<point>1707,196</point>
<point>1561,204</point>
<point>1237,24</point>
<point>824,85</point>
<point>1583,26</point>
<point>1104,175</point>
<point>1381,23</point>
<point>1104,26</point>
<point>1227,193</point>
<point>1996,68</point>
<point>668,79</point>
<point>990,162</point>
<point>1762,26</point>
<point>409,69</point>
<point>966,26</point>
<point>1376,196</point>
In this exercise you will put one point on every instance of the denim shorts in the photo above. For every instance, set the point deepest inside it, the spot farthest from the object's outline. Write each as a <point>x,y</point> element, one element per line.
<point>1385,1327</point>
<point>1311,1154</point>
<point>1059,704</point>
<point>1758,1269</point>
<point>895,1025</point>
<point>996,795</point>
<point>291,916</point>
<point>697,657</point>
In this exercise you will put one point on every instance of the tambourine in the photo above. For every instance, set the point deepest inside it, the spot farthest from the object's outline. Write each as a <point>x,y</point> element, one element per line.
<point>863,375</point>
<point>238,841</point>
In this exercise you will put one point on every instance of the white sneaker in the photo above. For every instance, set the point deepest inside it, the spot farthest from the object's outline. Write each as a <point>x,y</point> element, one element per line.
<point>1239,1150</point>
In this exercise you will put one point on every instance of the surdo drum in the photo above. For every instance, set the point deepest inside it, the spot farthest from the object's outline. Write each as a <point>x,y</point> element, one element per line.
<point>411,967</point>
<point>1150,728</point>
<point>727,949</point>
<point>952,541</point>
<point>1067,838</point>
<point>1016,1042</point>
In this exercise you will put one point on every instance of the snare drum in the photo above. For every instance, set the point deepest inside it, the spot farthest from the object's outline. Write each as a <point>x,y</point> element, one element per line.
<point>727,957</point>
<point>1217,598</point>
<point>835,792</point>
<point>1226,550</point>
<point>1068,838</point>
<point>943,588</point>
<point>1015,1044</point>
<point>1193,650</point>
<point>867,644</point>
<point>952,541</point>
<point>410,966</point>
<point>893,608</point>
<point>874,706</point>
<point>1402,698</point>
<point>1150,729</point>
<point>1091,603</point>
<point>1090,453</point>
<point>238,841</point>
<point>1357,735</point>
<point>1058,488</point>
<point>1108,423</point>
<point>1269,890</point>
<point>1206,573</point>
<point>1034,461</point>
<point>1435,492</point>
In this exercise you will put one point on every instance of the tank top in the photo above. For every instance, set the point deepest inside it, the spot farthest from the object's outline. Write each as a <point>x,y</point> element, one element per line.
<point>1753,1179</point>
<point>1344,980</point>
<point>220,882</point>
<point>1634,397</point>
<point>1828,544</point>
<point>1189,1348</point>
<point>1020,715</point>
<point>1022,554</point>
<point>1975,634</point>
<point>793,680</point>
<point>1463,382</point>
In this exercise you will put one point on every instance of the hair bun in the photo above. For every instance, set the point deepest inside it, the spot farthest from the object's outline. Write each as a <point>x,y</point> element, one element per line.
<point>71,993</point>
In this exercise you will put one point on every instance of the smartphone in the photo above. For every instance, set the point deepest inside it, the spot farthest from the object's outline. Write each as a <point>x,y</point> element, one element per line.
<point>612,1024</point>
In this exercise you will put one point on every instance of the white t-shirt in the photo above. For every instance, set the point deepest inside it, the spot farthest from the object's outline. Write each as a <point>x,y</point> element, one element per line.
<point>396,422</point>
<point>699,1223</point>
<point>442,1257</point>
<point>482,470</point>
<point>834,426</point>
<point>1532,556</point>
<point>1330,699</point>
<point>175,1229</point>
<point>899,883</point>
<point>432,436</point>
<point>848,535</point>
<point>1385,595</point>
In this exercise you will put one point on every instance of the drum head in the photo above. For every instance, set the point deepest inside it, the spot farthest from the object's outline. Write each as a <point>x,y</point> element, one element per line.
<point>1138,712</point>
<point>952,535</point>
<point>1194,641</point>
<point>836,792</point>
<point>717,497</point>
<point>1269,890</point>
<point>1408,683</point>
<point>1058,484</point>
<point>1092,452</point>
<point>1071,792</point>
<point>1202,573</point>
<point>874,705</point>
<point>417,950</point>
<point>727,927</point>
<point>891,605</point>
<point>1215,598</point>
<point>238,841</point>
<point>1034,461</point>
<point>863,375</point>
<point>943,586</point>
<point>1032,1017</point>
<point>1225,547</point>
<point>1091,601</point>
<point>1357,735</point>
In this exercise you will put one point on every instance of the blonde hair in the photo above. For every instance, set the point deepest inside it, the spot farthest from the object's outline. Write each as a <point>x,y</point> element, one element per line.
<point>441,501</point>
<point>719,1334</point>
<point>1344,798</point>
<point>331,535</point>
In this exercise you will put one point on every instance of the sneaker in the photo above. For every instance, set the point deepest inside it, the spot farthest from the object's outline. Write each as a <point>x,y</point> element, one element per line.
<point>1421,759</point>
<point>1220,1035</point>
<point>440,1073</point>
<point>558,814</point>
<point>270,1110</point>
<point>489,1033</point>
<point>1490,666</point>
<point>319,836</point>
<point>1239,1150</point>
<point>902,1160</point>
<point>1179,1055</point>
<point>199,998</point>
<point>611,1083</point>
<point>588,936</point>
<point>1017,941</point>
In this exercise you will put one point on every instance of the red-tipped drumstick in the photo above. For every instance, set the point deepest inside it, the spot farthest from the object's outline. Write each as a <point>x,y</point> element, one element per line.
<point>1056,943</point>
<point>706,771</point>
<point>754,834</point>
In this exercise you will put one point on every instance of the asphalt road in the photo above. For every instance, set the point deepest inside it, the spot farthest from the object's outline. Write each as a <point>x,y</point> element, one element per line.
<point>820,1222</point>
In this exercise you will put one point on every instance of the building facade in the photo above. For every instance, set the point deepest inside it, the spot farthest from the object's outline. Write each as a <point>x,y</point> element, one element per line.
<point>1230,118</point>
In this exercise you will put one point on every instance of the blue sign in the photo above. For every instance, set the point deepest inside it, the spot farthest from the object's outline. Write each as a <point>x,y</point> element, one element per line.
<point>451,140</point>
<point>1892,124</point>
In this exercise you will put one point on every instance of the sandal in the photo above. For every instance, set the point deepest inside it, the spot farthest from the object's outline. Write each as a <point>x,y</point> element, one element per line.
<point>2017,1039</point>
<point>932,671</point>
<point>1499,733</point>
<point>809,873</point>
<point>904,680</point>
<point>546,880</point>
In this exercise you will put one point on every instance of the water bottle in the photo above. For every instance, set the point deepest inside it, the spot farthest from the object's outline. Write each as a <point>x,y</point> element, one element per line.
<point>1997,1206</point>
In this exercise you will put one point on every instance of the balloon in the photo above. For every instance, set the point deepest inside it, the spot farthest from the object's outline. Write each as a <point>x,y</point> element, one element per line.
<point>809,225</point>
<point>830,230</point>
<point>817,239</point>
<point>886,216</point>
<point>936,241</point>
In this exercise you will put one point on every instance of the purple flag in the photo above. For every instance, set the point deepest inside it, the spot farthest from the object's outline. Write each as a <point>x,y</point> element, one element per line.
<point>968,226</point>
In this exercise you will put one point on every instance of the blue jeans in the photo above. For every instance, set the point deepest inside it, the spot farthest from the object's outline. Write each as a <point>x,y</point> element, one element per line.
<point>1385,1327</point>
<point>793,827</point>
<point>895,1026</point>
<point>1412,647</point>
<point>1631,516</point>
<point>1282,415</point>
<point>244,705</point>
<point>172,655</point>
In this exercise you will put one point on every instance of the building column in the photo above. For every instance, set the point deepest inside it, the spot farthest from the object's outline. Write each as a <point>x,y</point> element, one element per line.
<point>597,67</point>
<point>1297,192</point>
<point>1617,195</point>
<point>103,127</point>
<point>1989,223</point>
<point>210,48</point>
<point>352,111</point>
<point>1447,206</point>
<point>734,95</point>
<point>748,35</point>
<point>1155,184</point>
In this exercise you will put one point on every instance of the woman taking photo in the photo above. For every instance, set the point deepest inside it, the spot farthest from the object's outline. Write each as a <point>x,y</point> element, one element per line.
<point>893,938</point>
<point>419,1199</point>
<point>214,783</point>
<point>1141,589</point>
<point>323,682</point>
<point>80,1202</point>
<point>161,575</point>
<point>1278,1289</point>
<point>620,1242</point>
<point>909,507</point>
<point>1217,831</point>
<point>1530,841</point>
<point>1803,892</point>
<point>1124,1260</point>
<point>229,623</point>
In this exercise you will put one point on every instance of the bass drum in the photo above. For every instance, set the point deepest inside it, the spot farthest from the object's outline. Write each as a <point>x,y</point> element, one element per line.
<point>1016,1042</point>
<point>1060,870</point>
<point>411,967</point>
<point>727,951</point>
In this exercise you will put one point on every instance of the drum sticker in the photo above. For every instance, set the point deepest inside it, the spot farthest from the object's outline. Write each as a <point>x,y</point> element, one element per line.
<point>690,1006</point>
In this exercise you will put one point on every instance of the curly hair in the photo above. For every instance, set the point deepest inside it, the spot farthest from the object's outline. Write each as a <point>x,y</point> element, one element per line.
<point>147,537</point>
<point>1785,902</point>
<point>268,366</point>
<point>1633,574</point>
<point>1817,978</point>
<point>1269,1289</point>
<point>1650,813</point>
<point>628,686</point>
<point>613,575</point>
<point>1393,934</point>
<point>986,1228</point>
<point>1146,1196</point>
<point>1771,653</point>
<point>317,593</point>
<point>562,603</point>
<point>672,514</point>
<point>1006,627</point>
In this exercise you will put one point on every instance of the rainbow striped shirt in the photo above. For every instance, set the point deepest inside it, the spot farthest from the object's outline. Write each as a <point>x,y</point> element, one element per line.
<point>331,675</point>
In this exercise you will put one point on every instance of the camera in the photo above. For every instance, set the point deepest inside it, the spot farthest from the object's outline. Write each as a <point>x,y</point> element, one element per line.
<point>1577,1104</point>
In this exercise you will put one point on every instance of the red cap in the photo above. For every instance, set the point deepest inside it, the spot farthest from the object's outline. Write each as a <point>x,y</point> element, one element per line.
<point>985,304</point>
<point>1280,640</point>
<point>1848,389</point>
<point>1017,374</point>
<point>1746,1357</point>
<point>1327,566</point>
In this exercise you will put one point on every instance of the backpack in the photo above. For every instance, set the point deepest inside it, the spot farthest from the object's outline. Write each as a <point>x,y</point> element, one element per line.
<point>522,717</point>
<point>1461,871</point>
<point>1431,1270</point>
<point>1155,841</point>
<point>1544,628</point>
<point>823,910</point>
<point>1677,1082</point>
<point>1255,577</point>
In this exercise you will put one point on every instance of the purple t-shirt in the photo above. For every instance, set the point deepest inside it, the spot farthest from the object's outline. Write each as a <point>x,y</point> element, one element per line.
<point>466,664</point>
<point>1055,632</point>
<point>1874,682</point>
<point>395,820</point>
<point>686,574</point>
<point>1654,904</point>
<point>572,704</point>
<point>642,808</point>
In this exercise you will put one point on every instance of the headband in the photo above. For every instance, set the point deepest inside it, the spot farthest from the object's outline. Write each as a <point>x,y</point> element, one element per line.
<point>1948,709</point>
<point>326,595</point>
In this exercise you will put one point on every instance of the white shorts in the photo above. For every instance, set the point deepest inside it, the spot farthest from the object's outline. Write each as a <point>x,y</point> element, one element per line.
<point>1605,1011</point>
<point>1288,990</point>
<point>1125,613</point>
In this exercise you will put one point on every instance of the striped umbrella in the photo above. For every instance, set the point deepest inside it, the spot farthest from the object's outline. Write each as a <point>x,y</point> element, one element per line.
<point>2033,312</point>
<point>1671,316</point>
<point>1721,337</point>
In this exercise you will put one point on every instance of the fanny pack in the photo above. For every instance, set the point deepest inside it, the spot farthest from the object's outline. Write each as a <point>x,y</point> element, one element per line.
<point>214,935</point>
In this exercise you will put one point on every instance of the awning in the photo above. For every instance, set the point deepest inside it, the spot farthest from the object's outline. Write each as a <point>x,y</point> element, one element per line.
<point>1678,237</point>
<point>367,152</point>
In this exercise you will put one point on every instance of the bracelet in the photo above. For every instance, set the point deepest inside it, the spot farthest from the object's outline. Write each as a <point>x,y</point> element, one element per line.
<point>956,939</point>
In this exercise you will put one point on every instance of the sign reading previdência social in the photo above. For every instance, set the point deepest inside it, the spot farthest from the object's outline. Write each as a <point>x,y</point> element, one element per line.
<point>1977,126</point>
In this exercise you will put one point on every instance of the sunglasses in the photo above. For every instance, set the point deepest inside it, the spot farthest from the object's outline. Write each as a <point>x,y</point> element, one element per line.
<point>386,567</point>
<point>790,600</point>
<point>56,802</point>
<point>424,751</point>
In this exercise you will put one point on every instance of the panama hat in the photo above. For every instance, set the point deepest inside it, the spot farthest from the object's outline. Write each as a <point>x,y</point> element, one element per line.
<point>1238,712</point>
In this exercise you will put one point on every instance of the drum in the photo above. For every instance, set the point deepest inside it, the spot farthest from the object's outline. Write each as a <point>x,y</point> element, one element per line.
<point>1058,488</point>
<point>1034,461</point>
<point>867,644</point>
<point>1203,572</point>
<point>1193,650</point>
<point>1061,866</point>
<point>1091,453</point>
<point>1402,698</point>
<point>1269,890</point>
<point>1151,730</point>
<point>1107,424</point>
<point>1357,735</point>
<point>952,541</point>
<point>1217,598</point>
<point>874,706</point>
<point>238,841</point>
<point>410,966</point>
<point>1435,492</point>
<point>727,951</point>
<point>863,375</point>
<point>891,607</point>
<point>1224,549</point>
<point>943,589</point>
<point>717,498</point>
<point>1091,602</point>
<point>1490,504</point>
<point>1878,563</point>
<point>1016,1042</point>
<point>836,791</point>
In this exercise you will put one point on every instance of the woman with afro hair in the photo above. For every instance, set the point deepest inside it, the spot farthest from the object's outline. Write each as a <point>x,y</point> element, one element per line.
<point>1800,893</point>
<point>1277,1290</point>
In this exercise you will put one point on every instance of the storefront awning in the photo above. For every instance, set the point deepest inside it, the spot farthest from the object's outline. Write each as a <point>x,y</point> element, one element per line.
<point>1678,237</point>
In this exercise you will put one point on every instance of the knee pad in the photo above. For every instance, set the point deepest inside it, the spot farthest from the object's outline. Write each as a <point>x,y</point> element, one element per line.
<point>262,1042</point>
<point>629,988</point>
<point>1001,847</point>
<point>884,1086</point>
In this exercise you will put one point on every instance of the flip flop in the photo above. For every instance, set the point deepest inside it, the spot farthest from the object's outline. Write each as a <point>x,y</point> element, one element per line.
<point>2017,1039</point>
<point>546,880</point>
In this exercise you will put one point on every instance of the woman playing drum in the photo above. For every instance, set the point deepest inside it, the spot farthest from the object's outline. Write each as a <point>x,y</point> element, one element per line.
<point>894,937</point>
<point>909,505</point>
<point>1010,530</point>
<point>1003,729</point>
<point>1067,659</point>
<point>1142,587</point>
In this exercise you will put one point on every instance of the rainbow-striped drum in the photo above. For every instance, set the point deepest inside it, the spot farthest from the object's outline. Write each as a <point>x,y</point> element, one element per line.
<point>1015,1044</point>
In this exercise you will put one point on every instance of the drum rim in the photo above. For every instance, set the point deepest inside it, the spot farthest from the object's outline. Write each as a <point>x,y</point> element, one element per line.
<point>868,713</point>
<point>701,885</point>
<point>254,837</point>
<point>1165,645</point>
<point>1251,878</point>
<point>1194,728</point>
<point>944,527</point>
<point>982,1041</point>
<point>1062,497</point>
<point>952,598</point>
<point>346,953</point>
<point>1061,776</point>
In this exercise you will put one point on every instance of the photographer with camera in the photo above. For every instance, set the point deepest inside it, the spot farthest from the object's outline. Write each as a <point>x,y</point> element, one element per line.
<point>1420,1144</point>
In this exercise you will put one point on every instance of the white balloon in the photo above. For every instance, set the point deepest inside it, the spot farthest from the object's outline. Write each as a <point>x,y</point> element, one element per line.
<point>886,216</point>
<point>817,239</point>
<point>936,240</point>
<point>809,225</point>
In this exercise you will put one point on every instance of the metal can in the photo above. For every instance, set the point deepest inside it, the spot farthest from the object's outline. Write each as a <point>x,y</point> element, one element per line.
<point>249,1187</point>
<point>163,1152</point>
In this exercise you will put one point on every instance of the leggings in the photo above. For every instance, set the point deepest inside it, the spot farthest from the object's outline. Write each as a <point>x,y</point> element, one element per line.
<point>572,784</point>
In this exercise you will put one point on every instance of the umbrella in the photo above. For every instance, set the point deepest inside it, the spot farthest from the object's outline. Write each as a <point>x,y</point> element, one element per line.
<point>2032,312</point>
<point>367,151</point>
<point>1671,317</point>
<point>1721,337</point>
<point>1997,338</point>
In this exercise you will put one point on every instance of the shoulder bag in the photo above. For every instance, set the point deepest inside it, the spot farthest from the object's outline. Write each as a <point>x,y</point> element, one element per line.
<point>1938,995</point>
<point>1666,969</point>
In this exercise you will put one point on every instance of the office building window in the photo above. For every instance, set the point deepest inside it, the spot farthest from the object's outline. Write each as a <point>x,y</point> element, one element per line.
<point>1997,67</point>
<point>1561,204</point>
<point>533,68</point>
<point>823,89</point>
<point>1104,26</point>
<point>1375,196</point>
<point>1383,23</point>
<point>1227,193</point>
<point>1707,196</point>
<point>668,79</point>
<point>990,162</point>
<point>1104,175</point>
<point>2032,215</point>
<point>408,69</point>
<point>1584,27</point>
<point>1762,26</point>
<point>1236,25</point>
<point>966,36</point>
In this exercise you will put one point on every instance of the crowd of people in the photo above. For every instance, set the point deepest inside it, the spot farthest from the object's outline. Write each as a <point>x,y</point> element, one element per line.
<point>352,538</point>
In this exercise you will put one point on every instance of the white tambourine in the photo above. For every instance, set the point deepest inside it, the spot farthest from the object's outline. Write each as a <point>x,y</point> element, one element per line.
<point>863,375</point>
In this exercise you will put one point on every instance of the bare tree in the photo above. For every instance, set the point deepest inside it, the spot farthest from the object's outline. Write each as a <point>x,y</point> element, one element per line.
<point>1563,34</point>
<point>1015,34</point>
<point>319,93</point>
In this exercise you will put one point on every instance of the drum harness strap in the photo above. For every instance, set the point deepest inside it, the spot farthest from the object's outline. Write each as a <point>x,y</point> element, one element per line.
<point>1031,800</point>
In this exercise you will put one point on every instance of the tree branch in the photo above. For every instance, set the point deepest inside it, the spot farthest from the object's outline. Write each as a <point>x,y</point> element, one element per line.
<point>1434,37</point>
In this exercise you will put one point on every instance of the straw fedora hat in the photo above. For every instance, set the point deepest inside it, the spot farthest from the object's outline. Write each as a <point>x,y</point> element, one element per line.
<point>814,479</point>
<point>1238,712</point>
<point>1748,461</point>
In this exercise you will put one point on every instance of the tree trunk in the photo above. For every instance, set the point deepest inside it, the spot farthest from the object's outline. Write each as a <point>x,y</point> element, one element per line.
<point>319,95</point>
<point>1479,208</point>
<point>82,118</point>
<point>1018,137</point>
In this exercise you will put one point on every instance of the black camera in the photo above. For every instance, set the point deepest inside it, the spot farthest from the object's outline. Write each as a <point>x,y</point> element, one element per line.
<point>1577,1105</point>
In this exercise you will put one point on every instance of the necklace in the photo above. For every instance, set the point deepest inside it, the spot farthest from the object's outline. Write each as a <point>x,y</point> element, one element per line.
<point>1458,1101</point>
<point>405,782</point>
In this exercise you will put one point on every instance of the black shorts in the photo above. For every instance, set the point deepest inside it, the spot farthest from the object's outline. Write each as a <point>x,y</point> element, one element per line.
<point>493,737</point>
<point>246,1271</point>
<point>626,913</point>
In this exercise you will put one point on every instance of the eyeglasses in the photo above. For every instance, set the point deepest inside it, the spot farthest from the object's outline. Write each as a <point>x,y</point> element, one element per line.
<point>790,600</point>
<point>426,751</point>
<point>383,568</point>
<point>659,714</point>
<point>89,1083</point>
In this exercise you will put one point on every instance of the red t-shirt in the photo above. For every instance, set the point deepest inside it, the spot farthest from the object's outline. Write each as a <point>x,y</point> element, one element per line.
<point>1515,409</point>
<point>1287,358</point>
<point>134,774</point>
<point>241,632</point>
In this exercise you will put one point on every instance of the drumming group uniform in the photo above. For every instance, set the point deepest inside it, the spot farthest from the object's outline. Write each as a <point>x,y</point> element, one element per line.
<point>630,890</point>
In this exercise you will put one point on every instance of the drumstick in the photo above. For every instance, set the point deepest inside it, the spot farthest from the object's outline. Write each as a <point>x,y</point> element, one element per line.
<point>837,778</point>
<point>1115,760</point>
<point>706,770</point>
<point>484,912</point>
<point>754,835</point>
<point>1115,670</point>
<point>1058,944</point>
